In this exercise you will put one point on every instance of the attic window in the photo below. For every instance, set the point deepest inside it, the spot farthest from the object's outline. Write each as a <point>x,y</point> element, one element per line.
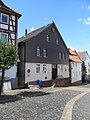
<point>57,41</point>
<point>53,29</point>
<point>48,38</point>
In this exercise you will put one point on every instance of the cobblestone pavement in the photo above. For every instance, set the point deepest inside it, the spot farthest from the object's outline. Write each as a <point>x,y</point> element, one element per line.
<point>36,106</point>
<point>81,109</point>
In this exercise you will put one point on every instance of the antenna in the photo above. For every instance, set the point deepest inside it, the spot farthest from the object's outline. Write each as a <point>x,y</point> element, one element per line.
<point>32,29</point>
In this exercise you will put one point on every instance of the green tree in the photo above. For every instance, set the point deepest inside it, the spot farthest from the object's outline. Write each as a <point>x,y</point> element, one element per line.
<point>84,71</point>
<point>8,55</point>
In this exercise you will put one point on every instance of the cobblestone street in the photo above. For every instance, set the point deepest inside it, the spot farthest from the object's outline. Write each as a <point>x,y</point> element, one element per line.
<point>44,104</point>
<point>41,106</point>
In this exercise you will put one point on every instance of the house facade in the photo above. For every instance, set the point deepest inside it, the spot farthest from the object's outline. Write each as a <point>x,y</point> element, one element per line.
<point>43,56</point>
<point>84,56</point>
<point>9,32</point>
<point>75,67</point>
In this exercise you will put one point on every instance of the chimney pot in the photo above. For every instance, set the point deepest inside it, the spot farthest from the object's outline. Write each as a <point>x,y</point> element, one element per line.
<point>25,32</point>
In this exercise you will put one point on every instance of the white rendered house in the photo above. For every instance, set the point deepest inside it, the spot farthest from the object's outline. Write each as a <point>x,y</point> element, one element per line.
<point>75,67</point>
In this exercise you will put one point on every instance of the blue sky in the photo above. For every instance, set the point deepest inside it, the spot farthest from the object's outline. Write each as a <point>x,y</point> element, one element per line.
<point>72,18</point>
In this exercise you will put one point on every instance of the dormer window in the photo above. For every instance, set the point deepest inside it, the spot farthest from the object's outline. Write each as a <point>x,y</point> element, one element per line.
<point>48,38</point>
<point>4,18</point>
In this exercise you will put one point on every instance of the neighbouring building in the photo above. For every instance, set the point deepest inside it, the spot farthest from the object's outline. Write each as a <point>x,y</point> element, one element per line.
<point>75,67</point>
<point>84,56</point>
<point>9,32</point>
<point>43,56</point>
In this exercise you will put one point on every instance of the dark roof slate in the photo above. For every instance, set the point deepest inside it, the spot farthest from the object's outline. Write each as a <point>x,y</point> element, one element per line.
<point>33,33</point>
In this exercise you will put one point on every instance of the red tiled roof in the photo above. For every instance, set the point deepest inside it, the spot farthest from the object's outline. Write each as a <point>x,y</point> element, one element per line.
<point>74,56</point>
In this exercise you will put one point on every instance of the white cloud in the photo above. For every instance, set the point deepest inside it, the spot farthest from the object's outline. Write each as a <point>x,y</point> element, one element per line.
<point>88,7</point>
<point>87,21</point>
<point>79,20</point>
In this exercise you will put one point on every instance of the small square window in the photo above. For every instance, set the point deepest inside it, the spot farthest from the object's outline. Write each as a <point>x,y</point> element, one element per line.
<point>4,18</point>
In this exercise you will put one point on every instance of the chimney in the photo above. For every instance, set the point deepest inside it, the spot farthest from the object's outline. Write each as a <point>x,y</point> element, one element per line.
<point>25,32</point>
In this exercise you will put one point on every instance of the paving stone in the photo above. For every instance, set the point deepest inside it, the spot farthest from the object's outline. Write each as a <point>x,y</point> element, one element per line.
<point>81,110</point>
<point>41,106</point>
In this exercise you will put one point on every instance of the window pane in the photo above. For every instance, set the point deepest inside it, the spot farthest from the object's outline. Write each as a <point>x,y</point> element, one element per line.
<point>4,18</point>
<point>44,52</point>
<point>4,37</point>
<point>44,68</point>
<point>38,68</point>
<point>57,41</point>
<point>38,51</point>
<point>48,38</point>
<point>59,56</point>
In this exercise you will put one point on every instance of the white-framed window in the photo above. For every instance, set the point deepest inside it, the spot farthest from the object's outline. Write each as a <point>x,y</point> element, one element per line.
<point>44,68</point>
<point>61,67</point>
<point>3,37</point>
<point>44,52</point>
<point>59,55</point>
<point>48,38</point>
<point>38,52</point>
<point>64,56</point>
<point>4,18</point>
<point>37,68</point>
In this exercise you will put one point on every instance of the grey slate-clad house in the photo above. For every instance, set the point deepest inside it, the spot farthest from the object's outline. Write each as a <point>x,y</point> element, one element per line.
<point>43,56</point>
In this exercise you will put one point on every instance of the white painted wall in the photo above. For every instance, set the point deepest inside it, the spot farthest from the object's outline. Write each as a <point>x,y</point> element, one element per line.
<point>75,72</point>
<point>4,26</point>
<point>11,73</point>
<point>87,63</point>
<point>33,76</point>
<point>63,71</point>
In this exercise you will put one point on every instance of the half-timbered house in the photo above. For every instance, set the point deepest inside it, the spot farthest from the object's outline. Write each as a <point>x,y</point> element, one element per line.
<point>9,33</point>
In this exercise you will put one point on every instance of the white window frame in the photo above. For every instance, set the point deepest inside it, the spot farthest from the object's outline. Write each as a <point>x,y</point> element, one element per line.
<point>37,68</point>
<point>38,51</point>
<point>44,68</point>
<point>6,16</point>
<point>48,38</point>
<point>44,52</point>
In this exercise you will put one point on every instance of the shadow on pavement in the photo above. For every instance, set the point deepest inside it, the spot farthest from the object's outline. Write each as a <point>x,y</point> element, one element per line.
<point>12,98</point>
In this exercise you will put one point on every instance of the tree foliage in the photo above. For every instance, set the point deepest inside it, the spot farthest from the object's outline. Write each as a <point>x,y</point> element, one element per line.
<point>8,55</point>
<point>84,71</point>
